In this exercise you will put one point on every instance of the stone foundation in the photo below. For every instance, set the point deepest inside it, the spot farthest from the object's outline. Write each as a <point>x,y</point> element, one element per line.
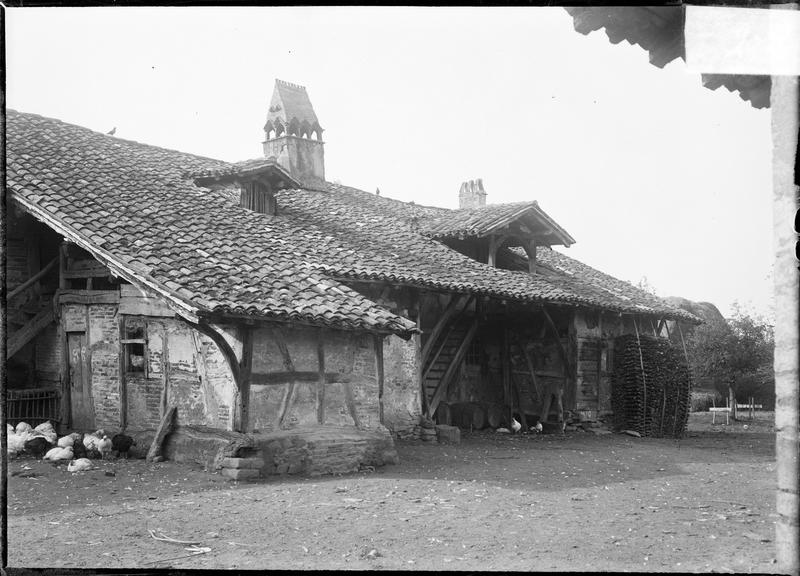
<point>324,450</point>
<point>205,446</point>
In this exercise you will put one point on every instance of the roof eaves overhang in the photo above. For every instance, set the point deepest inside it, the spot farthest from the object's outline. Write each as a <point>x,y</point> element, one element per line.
<point>182,306</point>
<point>550,225</point>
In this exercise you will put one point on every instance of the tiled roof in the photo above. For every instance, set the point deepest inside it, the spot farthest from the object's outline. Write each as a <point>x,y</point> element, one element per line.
<point>376,238</point>
<point>135,206</point>
<point>468,222</point>
<point>582,278</point>
<point>130,205</point>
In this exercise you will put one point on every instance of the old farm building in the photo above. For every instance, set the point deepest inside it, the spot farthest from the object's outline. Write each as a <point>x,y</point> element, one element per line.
<point>265,303</point>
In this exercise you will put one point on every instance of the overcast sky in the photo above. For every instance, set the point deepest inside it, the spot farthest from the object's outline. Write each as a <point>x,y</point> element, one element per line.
<point>653,175</point>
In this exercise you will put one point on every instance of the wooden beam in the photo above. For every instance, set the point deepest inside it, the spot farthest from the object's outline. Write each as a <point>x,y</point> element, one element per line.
<point>62,265</point>
<point>288,398</point>
<point>164,428</point>
<point>379,373</point>
<point>644,378</point>
<point>530,250</point>
<point>443,383</point>
<point>212,406</point>
<point>320,377</point>
<point>33,279</point>
<point>508,399</point>
<point>495,242</point>
<point>165,370</point>
<point>443,341</point>
<point>77,296</point>
<point>279,378</point>
<point>123,384</point>
<point>245,370</point>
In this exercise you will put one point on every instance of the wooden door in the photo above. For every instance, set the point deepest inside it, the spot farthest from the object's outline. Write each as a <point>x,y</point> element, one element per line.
<point>80,382</point>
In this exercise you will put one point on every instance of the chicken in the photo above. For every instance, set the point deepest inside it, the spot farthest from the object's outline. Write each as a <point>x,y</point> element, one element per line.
<point>122,443</point>
<point>16,444</point>
<point>23,427</point>
<point>91,440</point>
<point>537,428</point>
<point>78,449</point>
<point>515,426</point>
<point>37,446</point>
<point>80,465</point>
<point>105,446</point>
<point>57,454</point>
<point>65,441</point>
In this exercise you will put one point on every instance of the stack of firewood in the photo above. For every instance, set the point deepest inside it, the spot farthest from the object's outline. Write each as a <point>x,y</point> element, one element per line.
<point>650,393</point>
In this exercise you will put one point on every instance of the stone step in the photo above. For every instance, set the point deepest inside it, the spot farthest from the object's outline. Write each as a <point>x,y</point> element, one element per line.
<point>240,473</point>
<point>242,463</point>
<point>451,434</point>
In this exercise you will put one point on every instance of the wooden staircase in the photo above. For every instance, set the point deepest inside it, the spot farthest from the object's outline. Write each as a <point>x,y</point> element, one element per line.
<point>26,322</point>
<point>445,356</point>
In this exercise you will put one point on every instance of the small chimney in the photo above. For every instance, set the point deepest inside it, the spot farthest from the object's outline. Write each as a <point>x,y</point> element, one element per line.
<point>472,194</point>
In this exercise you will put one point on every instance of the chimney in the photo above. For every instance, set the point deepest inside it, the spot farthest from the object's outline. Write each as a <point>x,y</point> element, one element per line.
<point>472,194</point>
<point>293,133</point>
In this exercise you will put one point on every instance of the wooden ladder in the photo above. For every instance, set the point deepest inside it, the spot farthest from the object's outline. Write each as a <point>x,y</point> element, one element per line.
<point>448,353</point>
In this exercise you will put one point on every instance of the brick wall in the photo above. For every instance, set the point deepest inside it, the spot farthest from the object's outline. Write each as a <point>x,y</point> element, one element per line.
<point>103,342</point>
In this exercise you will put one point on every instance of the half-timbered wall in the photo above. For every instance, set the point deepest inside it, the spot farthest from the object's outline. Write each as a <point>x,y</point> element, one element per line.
<point>303,376</point>
<point>176,359</point>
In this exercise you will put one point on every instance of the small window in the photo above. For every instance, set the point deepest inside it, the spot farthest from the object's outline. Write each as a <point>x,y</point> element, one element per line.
<point>134,345</point>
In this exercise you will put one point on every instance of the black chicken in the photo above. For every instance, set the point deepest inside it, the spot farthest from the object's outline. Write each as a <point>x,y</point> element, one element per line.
<point>121,443</point>
<point>78,449</point>
<point>37,446</point>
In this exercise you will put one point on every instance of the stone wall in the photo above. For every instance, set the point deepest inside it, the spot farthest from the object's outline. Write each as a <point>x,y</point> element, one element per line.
<point>402,405</point>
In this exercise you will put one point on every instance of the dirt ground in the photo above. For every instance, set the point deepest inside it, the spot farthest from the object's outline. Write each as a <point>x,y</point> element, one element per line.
<point>577,501</point>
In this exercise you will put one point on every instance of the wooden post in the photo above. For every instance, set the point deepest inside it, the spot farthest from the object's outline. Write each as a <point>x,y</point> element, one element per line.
<point>644,380</point>
<point>62,265</point>
<point>286,403</point>
<point>321,379</point>
<point>506,358</point>
<point>530,251</point>
<point>164,371</point>
<point>495,241</point>
<point>379,372</point>
<point>245,372</point>
<point>164,428</point>
<point>123,385</point>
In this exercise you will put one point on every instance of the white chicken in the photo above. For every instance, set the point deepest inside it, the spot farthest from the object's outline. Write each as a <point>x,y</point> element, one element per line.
<point>538,427</point>
<point>23,427</point>
<point>16,443</point>
<point>65,441</point>
<point>56,454</point>
<point>80,465</point>
<point>91,440</point>
<point>105,446</point>
<point>515,426</point>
